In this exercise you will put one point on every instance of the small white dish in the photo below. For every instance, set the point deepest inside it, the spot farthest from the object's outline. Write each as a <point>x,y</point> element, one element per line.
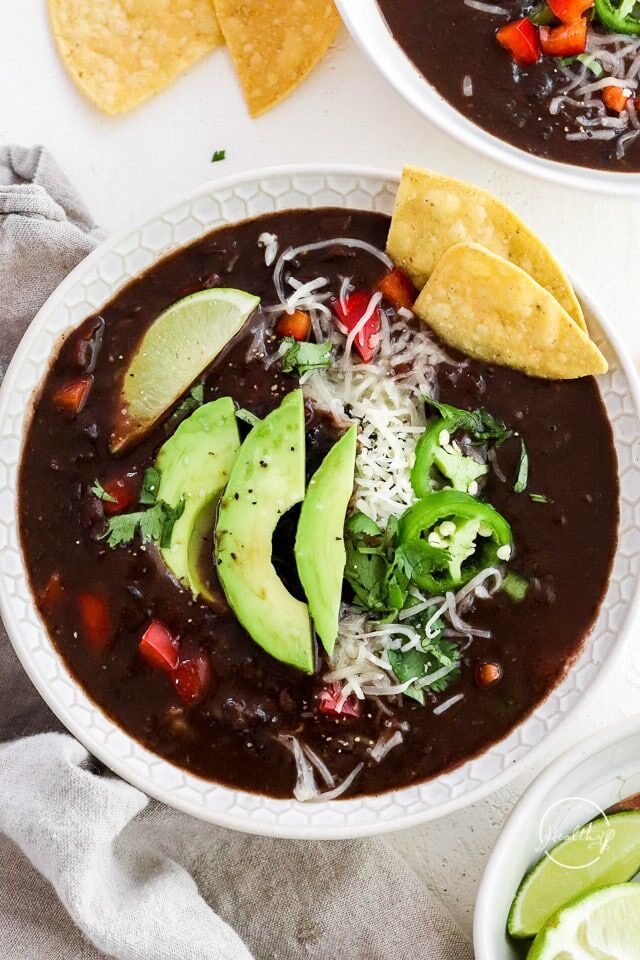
<point>368,27</point>
<point>84,292</point>
<point>583,782</point>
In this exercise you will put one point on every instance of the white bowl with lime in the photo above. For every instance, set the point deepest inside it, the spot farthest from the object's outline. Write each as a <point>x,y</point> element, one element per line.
<point>560,882</point>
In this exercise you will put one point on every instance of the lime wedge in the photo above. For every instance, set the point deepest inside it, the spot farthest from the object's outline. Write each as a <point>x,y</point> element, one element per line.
<point>177,347</point>
<point>604,925</point>
<point>602,852</point>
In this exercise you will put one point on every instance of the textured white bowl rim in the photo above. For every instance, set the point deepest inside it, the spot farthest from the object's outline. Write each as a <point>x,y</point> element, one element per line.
<point>521,816</point>
<point>124,755</point>
<point>367,26</point>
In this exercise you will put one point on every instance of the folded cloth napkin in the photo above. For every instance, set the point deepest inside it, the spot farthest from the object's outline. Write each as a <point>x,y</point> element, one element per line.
<point>88,865</point>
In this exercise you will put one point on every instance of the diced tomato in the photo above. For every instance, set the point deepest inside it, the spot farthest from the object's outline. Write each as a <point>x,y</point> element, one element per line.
<point>192,678</point>
<point>296,325</point>
<point>567,40</point>
<point>357,304</point>
<point>53,592</point>
<point>615,98</point>
<point>570,10</point>
<point>159,647</point>
<point>96,620</point>
<point>72,397</point>
<point>397,288</point>
<point>522,41</point>
<point>330,698</point>
<point>124,490</point>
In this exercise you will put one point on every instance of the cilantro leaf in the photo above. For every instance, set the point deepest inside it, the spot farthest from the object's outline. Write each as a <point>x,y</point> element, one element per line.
<point>522,476</point>
<point>155,524</point>
<point>219,155</point>
<point>480,424</point>
<point>248,417</point>
<point>99,491</point>
<point>122,529</point>
<point>150,486</point>
<point>436,655</point>
<point>419,557</point>
<point>171,517</point>
<point>302,356</point>
<point>187,406</point>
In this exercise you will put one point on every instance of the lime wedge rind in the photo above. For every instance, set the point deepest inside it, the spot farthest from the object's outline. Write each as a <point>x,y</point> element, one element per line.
<point>178,346</point>
<point>604,923</point>
<point>606,851</point>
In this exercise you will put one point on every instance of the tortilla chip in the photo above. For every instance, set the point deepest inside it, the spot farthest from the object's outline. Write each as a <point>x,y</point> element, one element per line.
<point>494,311</point>
<point>120,52</point>
<point>433,212</point>
<point>275,44</point>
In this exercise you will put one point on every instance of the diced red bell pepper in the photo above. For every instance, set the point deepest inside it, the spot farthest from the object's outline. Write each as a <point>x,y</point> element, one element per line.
<point>124,490</point>
<point>357,304</point>
<point>522,41</point>
<point>615,99</point>
<point>72,397</point>
<point>396,287</point>
<point>570,10</point>
<point>96,620</point>
<point>567,40</point>
<point>329,701</point>
<point>159,647</point>
<point>192,678</point>
<point>296,325</point>
<point>53,592</point>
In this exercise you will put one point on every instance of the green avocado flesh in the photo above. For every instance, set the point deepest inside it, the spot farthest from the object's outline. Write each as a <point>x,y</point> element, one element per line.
<point>267,480</point>
<point>195,463</point>
<point>320,552</point>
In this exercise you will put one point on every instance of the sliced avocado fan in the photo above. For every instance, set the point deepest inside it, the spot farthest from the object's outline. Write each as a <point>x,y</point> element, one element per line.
<point>268,478</point>
<point>320,552</point>
<point>195,463</point>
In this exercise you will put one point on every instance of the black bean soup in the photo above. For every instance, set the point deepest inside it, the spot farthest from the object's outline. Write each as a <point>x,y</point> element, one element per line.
<point>454,46</point>
<point>564,546</point>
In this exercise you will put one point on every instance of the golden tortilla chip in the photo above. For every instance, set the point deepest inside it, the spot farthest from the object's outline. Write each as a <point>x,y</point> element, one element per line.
<point>494,311</point>
<point>275,44</point>
<point>433,212</point>
<point>120,52</point>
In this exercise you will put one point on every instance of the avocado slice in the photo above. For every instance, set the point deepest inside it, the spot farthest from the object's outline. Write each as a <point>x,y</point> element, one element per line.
<point>320,552</point>
<point>267,480</point>
<point>195,463</point>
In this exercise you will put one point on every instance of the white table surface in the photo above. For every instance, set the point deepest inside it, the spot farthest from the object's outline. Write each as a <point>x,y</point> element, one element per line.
<point>125,166</point>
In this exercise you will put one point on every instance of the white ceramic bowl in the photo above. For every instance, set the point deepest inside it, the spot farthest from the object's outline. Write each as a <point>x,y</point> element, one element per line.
<point>83,292</point>
<point>585,780</point>
<point>369,29</point>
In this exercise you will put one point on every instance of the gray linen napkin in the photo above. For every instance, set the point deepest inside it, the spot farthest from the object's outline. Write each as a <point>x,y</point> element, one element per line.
<point>88,865</point>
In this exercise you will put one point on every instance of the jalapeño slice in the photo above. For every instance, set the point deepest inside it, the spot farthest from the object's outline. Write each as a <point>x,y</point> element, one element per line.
<point>475,537</point>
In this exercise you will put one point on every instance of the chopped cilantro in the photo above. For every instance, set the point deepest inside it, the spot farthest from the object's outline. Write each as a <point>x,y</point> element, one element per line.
<point>187,406</point>
<point>150,486</point>
<point>378,570</point>
<point>436,655</point>
<point>302,356</point>
<point>101,493</point>
<point>219,155</point>
<point>248,417</point>
<point>155,524</point>
<point>539,498</point>
<point>480,424</point>
<point>522,476</point>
